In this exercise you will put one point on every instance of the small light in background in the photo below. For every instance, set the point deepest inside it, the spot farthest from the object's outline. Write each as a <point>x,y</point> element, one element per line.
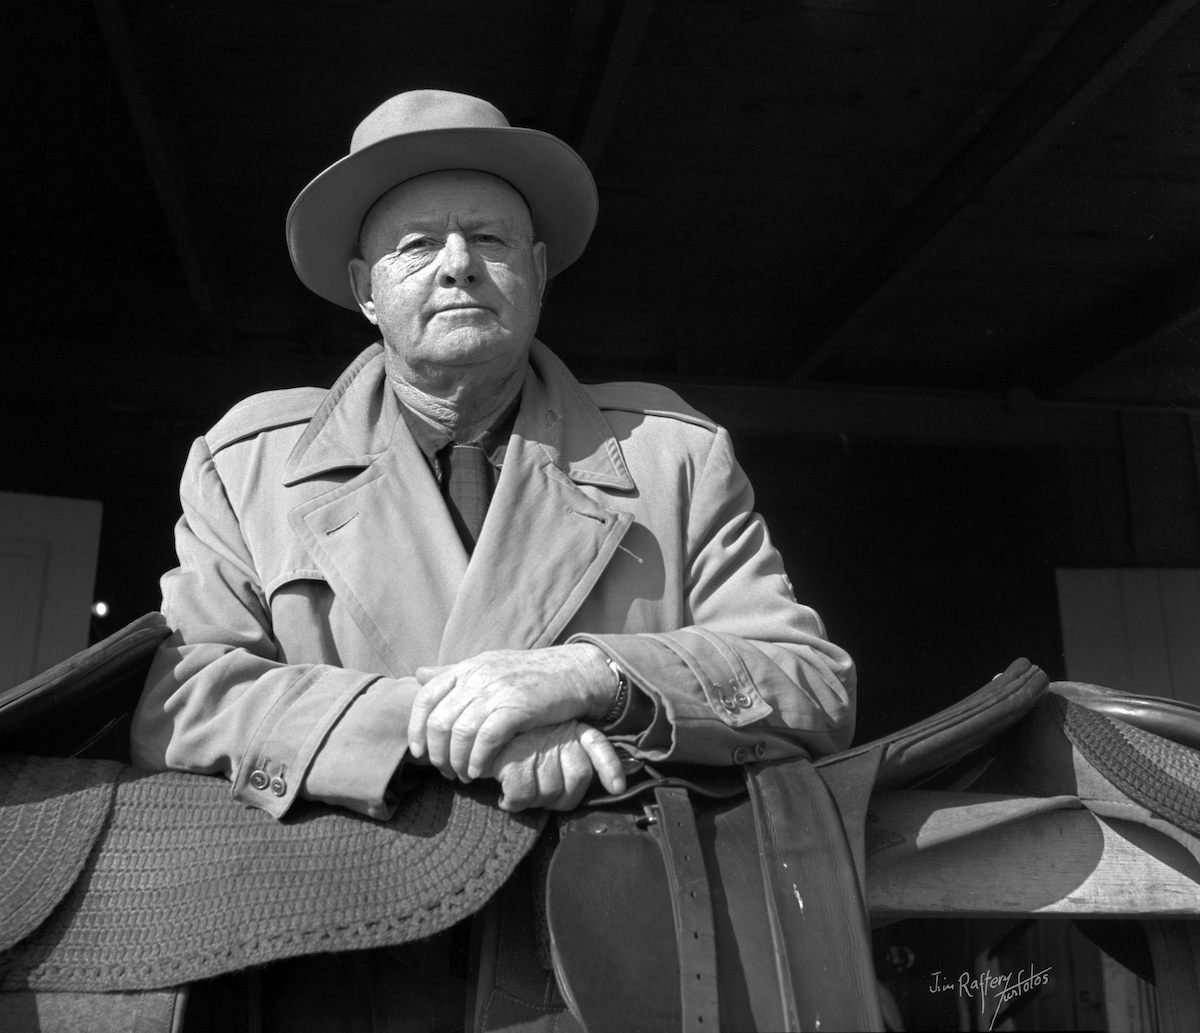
<point>99,608</point>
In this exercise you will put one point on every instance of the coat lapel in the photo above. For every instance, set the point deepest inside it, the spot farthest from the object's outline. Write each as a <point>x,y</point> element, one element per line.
<point>545,541</point>
<point>382,538</point>
<point>385,542</point>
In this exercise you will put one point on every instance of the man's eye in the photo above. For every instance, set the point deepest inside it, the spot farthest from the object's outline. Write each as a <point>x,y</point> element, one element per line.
<point>416,244</point>
<point>487,238</point>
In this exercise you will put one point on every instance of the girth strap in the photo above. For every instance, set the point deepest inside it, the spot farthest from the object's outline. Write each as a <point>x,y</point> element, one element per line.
<point>815,908</point>
<point>675,831</point>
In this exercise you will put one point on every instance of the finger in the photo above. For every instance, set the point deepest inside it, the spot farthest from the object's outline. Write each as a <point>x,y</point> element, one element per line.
<point>604,759</point>
<point>518,786</point>
<point>549,774</point>
<point>425,702</point>
<point>494,733</point>
<point>428,671</point>
<point>450,731</point>
<point>461,744</point>
<point>577,771</point>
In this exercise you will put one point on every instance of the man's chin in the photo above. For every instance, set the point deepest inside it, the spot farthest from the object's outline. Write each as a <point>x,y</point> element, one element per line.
<point>463,348</point>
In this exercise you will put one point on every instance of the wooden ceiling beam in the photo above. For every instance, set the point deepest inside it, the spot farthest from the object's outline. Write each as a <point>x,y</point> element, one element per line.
<point>1107,40</point>
<point>1167,307</point>
<point>631,27</point>
<point>935,418</point>
<point>584,38</point>
<point>161,147</point>
<point>154,383</point>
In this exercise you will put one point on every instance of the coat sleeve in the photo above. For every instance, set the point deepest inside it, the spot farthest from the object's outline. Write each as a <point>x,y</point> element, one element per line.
<point>752,676</point>
<point>220,700</point>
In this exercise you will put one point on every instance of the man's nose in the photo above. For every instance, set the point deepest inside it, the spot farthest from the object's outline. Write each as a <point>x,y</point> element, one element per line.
<point>458,262</point>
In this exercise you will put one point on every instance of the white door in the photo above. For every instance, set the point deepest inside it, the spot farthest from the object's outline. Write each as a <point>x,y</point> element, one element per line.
<point>1136,630</point>
<point>48,550</point>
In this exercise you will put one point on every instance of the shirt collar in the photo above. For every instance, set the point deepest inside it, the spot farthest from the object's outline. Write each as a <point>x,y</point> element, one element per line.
<point>353,426</point>
<point>493,439</point>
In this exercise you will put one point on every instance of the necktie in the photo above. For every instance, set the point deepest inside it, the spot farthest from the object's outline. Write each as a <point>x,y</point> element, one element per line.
<point>467,487</point>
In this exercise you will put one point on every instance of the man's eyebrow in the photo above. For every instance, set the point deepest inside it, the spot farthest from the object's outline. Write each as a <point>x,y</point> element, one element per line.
<point>438,225</point>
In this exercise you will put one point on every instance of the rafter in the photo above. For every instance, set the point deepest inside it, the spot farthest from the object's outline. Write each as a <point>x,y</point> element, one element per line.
<point>627,38</point>
<point>213,381</point>
<point>579,54</point>
<point>1109,38</point>
<point>159,141</point>
<point>1167,308</point>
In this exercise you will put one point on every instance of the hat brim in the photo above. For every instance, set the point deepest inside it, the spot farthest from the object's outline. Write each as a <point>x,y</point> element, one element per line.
<point>324,221</point>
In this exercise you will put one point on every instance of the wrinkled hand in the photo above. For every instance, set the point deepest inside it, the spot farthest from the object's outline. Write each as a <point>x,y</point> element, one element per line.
<point>552,767</point>
<point>465,714</point>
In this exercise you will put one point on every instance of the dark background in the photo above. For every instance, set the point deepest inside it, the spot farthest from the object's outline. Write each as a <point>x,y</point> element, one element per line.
<point>933,263</point>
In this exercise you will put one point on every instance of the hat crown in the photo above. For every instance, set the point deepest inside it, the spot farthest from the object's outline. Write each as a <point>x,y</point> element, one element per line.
<point>420,110</point>
<point>423,131</point>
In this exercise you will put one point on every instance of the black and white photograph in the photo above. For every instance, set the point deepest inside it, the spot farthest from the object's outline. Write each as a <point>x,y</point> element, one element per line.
<point>586,516</point>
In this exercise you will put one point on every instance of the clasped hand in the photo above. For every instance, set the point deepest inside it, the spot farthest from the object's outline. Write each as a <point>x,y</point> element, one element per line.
<point>516,716</point>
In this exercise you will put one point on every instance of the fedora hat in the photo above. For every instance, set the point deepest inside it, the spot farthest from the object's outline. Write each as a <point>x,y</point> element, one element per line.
<point>430,131</point>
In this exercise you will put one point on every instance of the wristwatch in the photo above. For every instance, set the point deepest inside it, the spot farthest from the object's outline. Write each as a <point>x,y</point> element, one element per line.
<point>621,699</point>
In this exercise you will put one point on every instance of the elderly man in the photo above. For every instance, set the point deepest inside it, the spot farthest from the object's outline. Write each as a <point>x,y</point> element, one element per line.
<point>344,608</point>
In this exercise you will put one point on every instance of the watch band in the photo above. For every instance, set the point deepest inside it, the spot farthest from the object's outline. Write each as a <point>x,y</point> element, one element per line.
<point>621,699</point>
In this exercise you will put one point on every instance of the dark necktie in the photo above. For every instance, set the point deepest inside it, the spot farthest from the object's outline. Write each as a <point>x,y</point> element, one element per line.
<point>467,487</point>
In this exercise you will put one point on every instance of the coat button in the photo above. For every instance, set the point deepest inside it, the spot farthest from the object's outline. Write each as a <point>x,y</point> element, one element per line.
<point>741,755</point>
<point>259,779</point>
<point>760,749</point>
<point>728,703</point>
<point>742,699</point>
<point>278,786</point>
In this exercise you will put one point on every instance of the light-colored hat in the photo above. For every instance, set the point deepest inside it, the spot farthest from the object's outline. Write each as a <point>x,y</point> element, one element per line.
<point>429,131</point>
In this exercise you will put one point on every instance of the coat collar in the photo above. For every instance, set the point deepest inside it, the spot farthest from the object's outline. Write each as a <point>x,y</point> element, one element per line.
<point>382,530</point>
<point>355,423</point>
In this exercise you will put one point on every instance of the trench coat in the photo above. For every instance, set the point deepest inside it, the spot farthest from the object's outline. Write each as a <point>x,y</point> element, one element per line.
<point>319,568</point>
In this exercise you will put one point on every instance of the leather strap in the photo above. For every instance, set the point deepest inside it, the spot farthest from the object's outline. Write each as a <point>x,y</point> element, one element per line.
<point>816,912</point>
<point>695,937</point>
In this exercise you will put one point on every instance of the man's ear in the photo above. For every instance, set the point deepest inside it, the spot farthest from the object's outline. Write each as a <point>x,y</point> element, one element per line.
<point>360,283</point>
<point>539,263</point>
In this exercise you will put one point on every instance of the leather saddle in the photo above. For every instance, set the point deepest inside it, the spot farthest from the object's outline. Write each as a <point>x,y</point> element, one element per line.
<point>691,903</point>
<point>700,898</point>
<point>736,899</point>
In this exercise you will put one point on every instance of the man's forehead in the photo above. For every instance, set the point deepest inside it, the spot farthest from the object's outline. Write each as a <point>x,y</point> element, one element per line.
<point>439,196</point>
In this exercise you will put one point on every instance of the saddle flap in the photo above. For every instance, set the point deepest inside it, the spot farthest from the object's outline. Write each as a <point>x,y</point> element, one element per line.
<point>69,708</point>
<point>183,883</point>
<point>612,927</point>
<point>792,946</point>
<point>51,815</point>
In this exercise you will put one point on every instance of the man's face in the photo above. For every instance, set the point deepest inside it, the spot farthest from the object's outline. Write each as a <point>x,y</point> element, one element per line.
<point>450,274</point>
